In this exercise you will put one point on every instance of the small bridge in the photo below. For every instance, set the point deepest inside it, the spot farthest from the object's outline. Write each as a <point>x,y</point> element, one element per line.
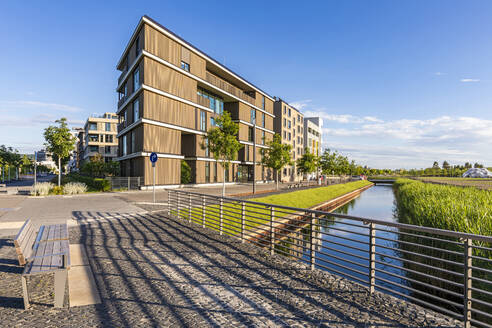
<point>382,181</point>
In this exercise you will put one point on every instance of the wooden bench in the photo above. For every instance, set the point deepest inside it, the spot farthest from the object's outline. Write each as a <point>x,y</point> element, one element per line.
<point>45,251</point>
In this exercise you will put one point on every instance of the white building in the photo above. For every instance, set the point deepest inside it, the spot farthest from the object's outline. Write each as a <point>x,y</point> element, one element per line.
<point>312,137</point>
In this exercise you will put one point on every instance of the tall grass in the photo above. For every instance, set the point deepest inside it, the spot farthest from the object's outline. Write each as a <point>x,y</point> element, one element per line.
<point>445,207</point>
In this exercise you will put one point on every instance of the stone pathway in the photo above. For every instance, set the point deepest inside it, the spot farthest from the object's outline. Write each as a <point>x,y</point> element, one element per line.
<point>154,271</point>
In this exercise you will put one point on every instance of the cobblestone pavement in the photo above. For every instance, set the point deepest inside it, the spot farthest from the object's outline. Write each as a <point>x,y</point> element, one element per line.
<point>157,271</point>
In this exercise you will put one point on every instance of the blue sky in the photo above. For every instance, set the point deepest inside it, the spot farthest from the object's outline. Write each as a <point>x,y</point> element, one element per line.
<point>398,83</point>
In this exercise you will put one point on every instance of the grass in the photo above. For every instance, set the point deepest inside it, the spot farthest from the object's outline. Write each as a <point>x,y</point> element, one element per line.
<point>258,215</point>
<point>480,183</point>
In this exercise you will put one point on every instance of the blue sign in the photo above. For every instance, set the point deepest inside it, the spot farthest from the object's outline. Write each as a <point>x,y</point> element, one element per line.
<point>153,157</point>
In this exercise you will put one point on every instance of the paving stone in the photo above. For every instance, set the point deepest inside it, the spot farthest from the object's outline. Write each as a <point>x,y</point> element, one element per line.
<point>155,271</point>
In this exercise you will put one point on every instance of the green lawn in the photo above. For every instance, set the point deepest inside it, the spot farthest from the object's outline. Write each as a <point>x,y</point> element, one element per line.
<point>259,214</point>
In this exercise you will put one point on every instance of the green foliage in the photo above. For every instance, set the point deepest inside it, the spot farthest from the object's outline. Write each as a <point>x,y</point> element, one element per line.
<point>308,162</point>
<point>59,141</point>
<point>93,184</point>
<point>445,207</point>
<point>96,167</point>
<point>185,173</point>
<point>57,190</point>
<point>277,155</point>
<point>335,163</point>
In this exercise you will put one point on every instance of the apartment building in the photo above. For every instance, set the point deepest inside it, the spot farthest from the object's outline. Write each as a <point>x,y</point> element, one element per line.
<point>312,136</point>
<point>99,137</point>
<point>289,123</point>
<point>170,93</point>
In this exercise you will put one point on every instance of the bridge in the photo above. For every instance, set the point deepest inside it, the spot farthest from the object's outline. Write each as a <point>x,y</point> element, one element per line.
<point>381,181</point>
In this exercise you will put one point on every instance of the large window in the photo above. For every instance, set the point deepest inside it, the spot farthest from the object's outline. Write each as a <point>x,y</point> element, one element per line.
<point>132,149</point>
<point>263,119</point>
<point>207,152</point>
<point>185,66</point>
<point>207,172</point>
<point>263,103</point>
<point>137,46</point>
<point>262,137</point>
<point>289,112</point>
<point>246,150</point>
<point>216,102</point>
<point>125,117</point>
<point>93,149</point>
<point>203,120</point>
<point>107,149</point>
<point>92,126</point>
<point>136,110</point>
<point>253,115</point>
<point>250,134</point>
<point>94,137</point>
<point>212,122</point>
<point>288,124</point>
<point>136,79</point>
<point>108,127</point>
<point>109,138</point>
<point>123,146</point>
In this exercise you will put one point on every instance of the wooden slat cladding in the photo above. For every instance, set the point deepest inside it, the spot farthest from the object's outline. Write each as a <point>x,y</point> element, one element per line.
<point>185,55</point>
<point>199,151</point>
<point>167,171</point>
<point>166,79</point>
<point>160,45</point>
<point>161,140</point>
<point>167,110</point>
<point>197,66</point>
<point>243,132</point>
<point>269,122</point>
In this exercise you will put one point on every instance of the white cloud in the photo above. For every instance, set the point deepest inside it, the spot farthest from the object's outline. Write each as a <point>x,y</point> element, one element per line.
<point>439,73</point>
<point>28,104</point>
<point>301,104</point>
<point>470,80</point>
<point>341,118</point>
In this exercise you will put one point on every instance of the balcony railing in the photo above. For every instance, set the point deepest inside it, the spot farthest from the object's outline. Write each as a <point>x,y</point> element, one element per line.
<point>226,86</point>
<point>444,270</point>
<point>122,75</point>
<point>203,101</point>
<point>121,126</point>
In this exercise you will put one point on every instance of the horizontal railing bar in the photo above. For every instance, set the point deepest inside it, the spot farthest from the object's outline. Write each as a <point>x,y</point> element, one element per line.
<point>342,259</point>
<point>420,283</point>
<point>481,313</point>
<point>416,300</point>
<point>341,266</point>
<point>474,300</point>
<point>349,246</point>
<point>482,269</point>
<point>418,254</point>
<point>342,273</point>
<point>443,232</point>
<point>420,236</point>
<point>483,324</point>
<point>482,247</point>
<point>419,245</point>
<point>339,222</point>
<point>346,238</point>
<point>482,280</point>
<point>364,258</point>
<point>479,258</point>
<point>481,291</point>
<point>357,233</point>
<point>458,305</point>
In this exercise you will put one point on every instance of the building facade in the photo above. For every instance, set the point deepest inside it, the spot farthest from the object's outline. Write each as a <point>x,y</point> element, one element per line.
<point>99,137</point>
<point>170,93</point>
<point>312,137</point>
<point>289,123</point>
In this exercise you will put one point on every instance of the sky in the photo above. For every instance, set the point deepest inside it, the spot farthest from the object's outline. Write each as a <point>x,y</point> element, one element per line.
<point>399,84</point>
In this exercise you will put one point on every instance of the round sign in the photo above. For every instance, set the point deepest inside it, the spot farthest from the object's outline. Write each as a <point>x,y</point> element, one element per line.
<point>153,157</point>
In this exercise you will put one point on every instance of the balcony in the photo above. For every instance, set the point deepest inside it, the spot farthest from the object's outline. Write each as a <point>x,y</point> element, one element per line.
<point>226,86</point>
<point>122,75</point>
<point>121,126</point>
<point>203,101</point>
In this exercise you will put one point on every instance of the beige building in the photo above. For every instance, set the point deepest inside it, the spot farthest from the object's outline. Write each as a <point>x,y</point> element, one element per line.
<point>170,93</point>
<point>312,136</point>
<point>289,123</point>
<point>99,137</point>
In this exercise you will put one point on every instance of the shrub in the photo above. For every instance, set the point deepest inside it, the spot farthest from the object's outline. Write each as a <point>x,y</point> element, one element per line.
<point>42,189</point>
<point>185,173</point>
<point>101,184</point>
<point>57,190</point>
<point>73,188</point>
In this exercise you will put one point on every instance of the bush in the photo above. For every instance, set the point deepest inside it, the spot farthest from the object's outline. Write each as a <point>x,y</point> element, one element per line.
<point>185,173</point>
<point>73,188</point>
<point>101,184</point>
<point>57,190</point>
<point>42,189</point>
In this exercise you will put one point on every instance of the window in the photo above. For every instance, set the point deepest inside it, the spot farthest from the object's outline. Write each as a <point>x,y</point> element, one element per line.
<point>263,103</point>
<point>216,102</point>
<point>94,137</point>
<point>285,135</point>
<point>253,116</point>
<point>285,110</point>
<point>108,126</point>
<point>125,118</point>
<point>92,126</point>
<point>136,110</point>
<point>289,112</point>
<point>109,138</point>
<point>107,149</point>
<point>125,90</point>
<point>294,133</point>
<point>288,124</point>
<point>250,134</point>
<point>207,152</point>
<point>285,123</point>
<point>136,79</point>
<point>215,172</point>
<point>132,149</point>
<point>123,146</point>
<point>207,172</point>
<point>246,149</point>
<point>212,121</point>
<point>185,66</point>
<point>262,137</point>
<point>137,46</point>
<point>289,136</point>
<point>263,119</point>
<point>203,120</point>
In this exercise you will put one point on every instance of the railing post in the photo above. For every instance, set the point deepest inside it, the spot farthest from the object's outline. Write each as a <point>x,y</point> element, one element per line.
<point>468,252</point>
<point>372,257</point>
<point>189,209</point>
<point>221,218</point>
<point>169,202</point>
<point>203,211</point>
<point>272,231</point>
<point>311,241</point>
<point>243,207</point>
<point>177,195</point>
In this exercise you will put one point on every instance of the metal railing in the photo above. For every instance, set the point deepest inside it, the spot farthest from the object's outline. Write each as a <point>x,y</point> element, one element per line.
<point>125,183</point>
<point>447,271</point>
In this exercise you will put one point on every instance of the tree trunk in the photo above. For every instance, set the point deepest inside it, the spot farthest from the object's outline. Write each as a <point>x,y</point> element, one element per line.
<point>59,171</point>
<point>276,179</point>
<point>223,183</point>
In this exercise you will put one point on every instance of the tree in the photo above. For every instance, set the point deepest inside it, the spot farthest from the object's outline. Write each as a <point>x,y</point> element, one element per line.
<point>276,156</point>
<point>59,142</point>
<point>445,165</point>
<point>435,165</point>
<point>185,172</point>
<point>112,168</point>
<point>477,166</point>
<point>308,162</point>
<point>223,143</point>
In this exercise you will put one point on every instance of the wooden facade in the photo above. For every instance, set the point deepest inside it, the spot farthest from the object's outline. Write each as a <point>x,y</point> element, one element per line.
<point>161,111</point>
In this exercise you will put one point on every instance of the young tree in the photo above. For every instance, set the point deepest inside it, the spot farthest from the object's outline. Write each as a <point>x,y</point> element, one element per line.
<point>276,156</point>
<point>59,142</point>
<point>223,143</point>
<point>308,163</point>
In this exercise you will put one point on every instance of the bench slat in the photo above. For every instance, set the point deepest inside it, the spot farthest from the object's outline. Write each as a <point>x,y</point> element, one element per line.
<point>56,260</point>
<point>22,232</point>
<point>26,247</point>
